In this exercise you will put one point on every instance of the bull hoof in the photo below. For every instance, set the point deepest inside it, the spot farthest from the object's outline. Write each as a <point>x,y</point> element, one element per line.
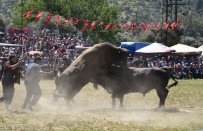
<point>113,106</point>
<point>55,99</point>
<point>73,102</point>
<point>122,108</point>
<point>159,108</point>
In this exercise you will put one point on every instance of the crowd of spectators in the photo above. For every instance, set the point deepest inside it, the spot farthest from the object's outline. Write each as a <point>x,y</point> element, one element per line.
<point>183,67</point>
<point>53,48</point>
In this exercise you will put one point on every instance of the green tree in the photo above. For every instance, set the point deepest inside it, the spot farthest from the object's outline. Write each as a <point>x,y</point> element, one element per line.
<point>199,5</point>
<point>1,25</point>
<point>99,10</point>
<point>173,36</point>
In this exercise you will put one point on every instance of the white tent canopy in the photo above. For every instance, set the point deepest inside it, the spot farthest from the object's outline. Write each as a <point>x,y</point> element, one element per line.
<point>155,48</point>
<point>201,49</point>
<point>185,49</point>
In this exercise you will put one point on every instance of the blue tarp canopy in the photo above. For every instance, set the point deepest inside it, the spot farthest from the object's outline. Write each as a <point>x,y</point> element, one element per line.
<point>133,46</point>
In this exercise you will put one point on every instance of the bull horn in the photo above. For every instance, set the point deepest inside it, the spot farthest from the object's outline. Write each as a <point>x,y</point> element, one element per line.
<point>123,50</point>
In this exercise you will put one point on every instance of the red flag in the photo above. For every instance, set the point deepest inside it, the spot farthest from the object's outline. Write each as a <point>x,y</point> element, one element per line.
<point>28,13</point>
<point>67,20</point>
<point>101,23</point>
<point>75,22</point>
<point>174,25</point>
<point>125,26</point>
<point>144,27</point>
<point>148,25</point>
<point>156,26</point>
<point>37,17</point>
<point>166,26</point>
<point>86,22</point>
<point>57,20</point>
<point>93,25</point>
<point>49,16</point>
<point>108,26</point>
<point>133,26</point>
<point>114,27</point>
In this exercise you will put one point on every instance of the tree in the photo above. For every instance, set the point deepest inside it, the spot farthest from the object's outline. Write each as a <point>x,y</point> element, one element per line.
<point>1,25</point>
<point>199,5</point>
<point>174,36</point>
<point>92,10</point>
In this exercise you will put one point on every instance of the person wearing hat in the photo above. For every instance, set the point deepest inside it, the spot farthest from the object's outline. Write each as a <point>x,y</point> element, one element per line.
<point>33,74</point>
<point>64,65</point>
<point>10,76</point>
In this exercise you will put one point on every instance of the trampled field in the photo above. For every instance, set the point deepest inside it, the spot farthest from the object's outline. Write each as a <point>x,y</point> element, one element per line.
<point>92,111</point>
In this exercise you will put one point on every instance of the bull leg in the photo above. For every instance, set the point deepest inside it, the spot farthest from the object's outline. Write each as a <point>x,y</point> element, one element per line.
<point>113,101</point>
<point>162,96</point>
<point>67,97</point>
<point>67,100</point>
<point>73,101</point>
<point>55,98</point>
<point>121,101</point>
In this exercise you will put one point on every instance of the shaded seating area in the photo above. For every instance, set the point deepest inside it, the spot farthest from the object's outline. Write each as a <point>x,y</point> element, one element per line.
<point>186,61</point>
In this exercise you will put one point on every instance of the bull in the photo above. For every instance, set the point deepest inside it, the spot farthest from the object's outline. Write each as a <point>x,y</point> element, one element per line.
<point>120,81</point>
<point>85,67</point>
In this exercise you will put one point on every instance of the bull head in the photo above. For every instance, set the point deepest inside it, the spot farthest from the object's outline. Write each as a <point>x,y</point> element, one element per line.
<point>122,57</point>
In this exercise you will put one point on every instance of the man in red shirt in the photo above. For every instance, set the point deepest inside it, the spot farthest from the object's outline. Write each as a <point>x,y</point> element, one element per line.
<point>11,75</point>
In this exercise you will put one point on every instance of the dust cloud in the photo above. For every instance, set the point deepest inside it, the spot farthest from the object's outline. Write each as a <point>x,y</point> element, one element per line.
<point>98,104</point>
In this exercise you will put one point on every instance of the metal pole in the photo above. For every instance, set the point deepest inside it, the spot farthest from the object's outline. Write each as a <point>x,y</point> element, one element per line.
<point>176,10</point>
<point>21,22</point>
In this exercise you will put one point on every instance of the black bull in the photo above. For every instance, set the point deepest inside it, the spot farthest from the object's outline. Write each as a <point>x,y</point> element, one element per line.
<point>91,62</point>
<point>120,81</point>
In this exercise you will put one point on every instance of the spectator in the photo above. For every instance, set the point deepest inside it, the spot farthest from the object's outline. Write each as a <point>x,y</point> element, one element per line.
<point>163,62</point>
<point>2,62</point>
<point>64,65</point>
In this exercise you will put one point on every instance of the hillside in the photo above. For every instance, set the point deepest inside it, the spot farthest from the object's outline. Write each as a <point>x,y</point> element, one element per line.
<point>139,11</point>
<point>5,10</point>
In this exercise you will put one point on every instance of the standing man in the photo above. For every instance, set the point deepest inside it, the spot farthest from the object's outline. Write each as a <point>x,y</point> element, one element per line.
<point>10,76</point>
<point>32,79</point>
<point>64,65</point>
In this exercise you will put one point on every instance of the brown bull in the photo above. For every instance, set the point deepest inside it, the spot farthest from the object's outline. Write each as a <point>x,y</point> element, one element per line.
<point>120,81</point>
<point>91,62</point>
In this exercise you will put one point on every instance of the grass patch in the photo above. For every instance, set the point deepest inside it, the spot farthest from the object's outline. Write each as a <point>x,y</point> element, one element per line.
<point>92,111</point>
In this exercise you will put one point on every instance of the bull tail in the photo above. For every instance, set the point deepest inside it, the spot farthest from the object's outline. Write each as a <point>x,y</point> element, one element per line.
<point>171,85</point>
<point>172,77</point>
<point>175,81</point>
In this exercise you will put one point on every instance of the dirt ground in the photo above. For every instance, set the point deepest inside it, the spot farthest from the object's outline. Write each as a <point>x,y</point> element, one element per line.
<point>92,110</point>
